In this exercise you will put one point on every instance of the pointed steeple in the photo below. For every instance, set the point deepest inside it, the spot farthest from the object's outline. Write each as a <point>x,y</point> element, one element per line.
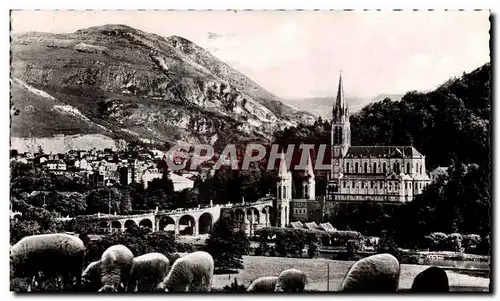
<point>309,170</point>
<point>340,108</point>
<point>283,172</point>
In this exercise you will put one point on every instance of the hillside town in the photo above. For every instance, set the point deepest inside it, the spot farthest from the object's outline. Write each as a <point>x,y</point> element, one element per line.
<point>107,167</point>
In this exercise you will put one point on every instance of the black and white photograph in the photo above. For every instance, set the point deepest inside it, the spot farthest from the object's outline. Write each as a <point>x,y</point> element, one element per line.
<point>250,151</point>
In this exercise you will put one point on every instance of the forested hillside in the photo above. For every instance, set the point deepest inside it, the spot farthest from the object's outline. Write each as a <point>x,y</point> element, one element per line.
<point>450,123</point>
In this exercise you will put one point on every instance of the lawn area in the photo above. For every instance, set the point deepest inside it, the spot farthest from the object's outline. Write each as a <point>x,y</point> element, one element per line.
<point>316,271</point>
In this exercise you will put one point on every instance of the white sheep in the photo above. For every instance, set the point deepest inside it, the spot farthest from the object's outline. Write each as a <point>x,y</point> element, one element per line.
<point>151,265</point>
<point>263,284</point>
<point>116,267</point>
<point>193,272</point>
<point>376,273</point>
<point>56,254</point>
<point>291,280</point>
<point>91,277</point>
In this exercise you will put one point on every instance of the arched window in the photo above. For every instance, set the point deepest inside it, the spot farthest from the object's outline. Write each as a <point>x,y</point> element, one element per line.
<point>347,167</point>
<point>394,167</point>
<point>416,169</point>
<point>421,170</point>
<point>408,167</point>
<point>279,192</point>
<point>356,167</point>
<point>284,192</point>
<point>385,167</point>
<point>374,167</point>
<point>366,167</point>
<point>306,191</point>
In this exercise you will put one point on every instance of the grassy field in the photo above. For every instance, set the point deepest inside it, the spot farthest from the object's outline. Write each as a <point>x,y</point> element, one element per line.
<point>316,270</point>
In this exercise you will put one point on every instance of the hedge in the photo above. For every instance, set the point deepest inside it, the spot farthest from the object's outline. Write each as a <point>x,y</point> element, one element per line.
<point>291,242</point>
<point>456,242</point>
<point>309,236</point>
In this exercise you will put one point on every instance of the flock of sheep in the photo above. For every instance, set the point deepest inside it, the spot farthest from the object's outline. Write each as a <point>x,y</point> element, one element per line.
<point>118,270</point>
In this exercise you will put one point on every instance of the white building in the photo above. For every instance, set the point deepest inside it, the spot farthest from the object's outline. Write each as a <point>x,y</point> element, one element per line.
<point>180,182</point>
<point>438,172</point>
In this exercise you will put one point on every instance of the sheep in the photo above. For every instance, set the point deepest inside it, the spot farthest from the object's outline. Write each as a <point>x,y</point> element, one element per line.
<point>193,272</point>
<point>151,265</point>
<point>91,277</point>
<point>376,273</point>
<point>431,280</point>
<point>263,284</point>
<point>116,267</point>
<point>291,280</point>
<point>53,254</point>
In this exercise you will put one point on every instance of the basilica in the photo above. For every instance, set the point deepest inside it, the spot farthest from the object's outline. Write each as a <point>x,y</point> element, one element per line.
<point>383,174</point>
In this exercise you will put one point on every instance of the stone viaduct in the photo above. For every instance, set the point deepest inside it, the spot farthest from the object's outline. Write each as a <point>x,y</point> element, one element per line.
<point>245,216</point>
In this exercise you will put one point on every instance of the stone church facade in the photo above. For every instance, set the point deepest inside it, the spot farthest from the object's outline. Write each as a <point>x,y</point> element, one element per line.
<point>382,174</point>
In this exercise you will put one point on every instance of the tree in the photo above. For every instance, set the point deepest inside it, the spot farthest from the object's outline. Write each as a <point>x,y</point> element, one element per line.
<point>388,245</point>
<point>108,200</point>
<point>226,246</point>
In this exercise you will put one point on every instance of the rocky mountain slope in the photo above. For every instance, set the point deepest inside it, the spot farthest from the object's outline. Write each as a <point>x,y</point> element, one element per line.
<point>120,82</point>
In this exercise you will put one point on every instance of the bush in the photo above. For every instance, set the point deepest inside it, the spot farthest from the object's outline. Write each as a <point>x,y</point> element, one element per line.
<point>185,247</point>
<point>436,241</point>
<point>138,240</point>
<point>409,259</point>
<point>291,242</point>
<point>313,250</point>
<point>484,246</point>
<point>388,245</point>
<point>454,242</point>
<point>470,242</point>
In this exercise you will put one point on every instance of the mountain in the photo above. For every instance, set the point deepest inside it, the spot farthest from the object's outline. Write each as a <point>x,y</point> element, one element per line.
<point>322,106</point>
<point>393,97</point>
<point>120,82</point>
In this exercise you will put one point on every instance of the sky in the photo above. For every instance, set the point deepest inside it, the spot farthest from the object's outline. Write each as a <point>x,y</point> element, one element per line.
<point>297,55</point>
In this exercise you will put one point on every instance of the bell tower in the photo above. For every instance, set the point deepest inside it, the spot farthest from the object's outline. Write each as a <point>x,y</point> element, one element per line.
<point>283,193</point>
<point>309,182</point>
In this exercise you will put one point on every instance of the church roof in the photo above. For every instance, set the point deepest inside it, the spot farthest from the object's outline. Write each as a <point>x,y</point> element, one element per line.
<point>311,225</point>
<point>382,152</point>
<point>296,225</point>
<point>326,227</point>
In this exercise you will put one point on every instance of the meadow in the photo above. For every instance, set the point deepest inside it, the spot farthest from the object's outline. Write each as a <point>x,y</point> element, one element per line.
<point>317,273</point>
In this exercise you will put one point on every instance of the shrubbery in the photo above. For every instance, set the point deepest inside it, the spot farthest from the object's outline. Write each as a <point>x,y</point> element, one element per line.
<point>138,240</point>
<point>455,242</point>
<point>291,242</point>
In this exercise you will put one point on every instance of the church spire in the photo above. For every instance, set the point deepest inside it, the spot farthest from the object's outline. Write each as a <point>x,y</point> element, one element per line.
<point>309,170</point>
<point>340,108</point>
